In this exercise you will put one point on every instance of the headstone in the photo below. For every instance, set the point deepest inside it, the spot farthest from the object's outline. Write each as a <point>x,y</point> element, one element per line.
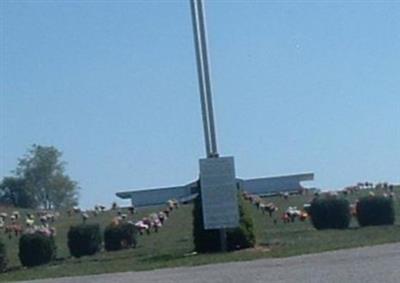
<point>219,193</point>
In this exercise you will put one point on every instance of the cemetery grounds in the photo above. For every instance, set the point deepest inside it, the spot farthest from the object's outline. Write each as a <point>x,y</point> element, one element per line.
<point>173,245</point>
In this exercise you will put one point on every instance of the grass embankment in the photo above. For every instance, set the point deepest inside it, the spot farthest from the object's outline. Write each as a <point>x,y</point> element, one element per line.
<point>173,245</point>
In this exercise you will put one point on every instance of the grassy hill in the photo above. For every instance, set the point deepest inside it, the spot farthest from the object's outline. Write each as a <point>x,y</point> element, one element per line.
<point>172,245</point>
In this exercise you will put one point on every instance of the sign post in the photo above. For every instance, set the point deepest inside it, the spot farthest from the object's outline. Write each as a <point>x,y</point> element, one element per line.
<point>219,193</point>
<point>217,174</point>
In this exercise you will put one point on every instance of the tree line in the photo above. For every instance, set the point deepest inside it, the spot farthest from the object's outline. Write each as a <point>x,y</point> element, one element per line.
<point>39,181</point>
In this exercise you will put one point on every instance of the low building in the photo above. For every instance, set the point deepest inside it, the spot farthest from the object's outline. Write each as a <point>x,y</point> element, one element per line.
<point>259,186</point>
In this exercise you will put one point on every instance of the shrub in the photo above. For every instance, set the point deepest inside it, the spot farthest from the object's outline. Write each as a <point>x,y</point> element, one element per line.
<point>330,213</point>
<point>375,210</point>
<point>204,240</point>
<point>209,240</point>
<point>3,257</point>
<point>243,236</point>
<point>36,249</point>
<point>84,239</point>
<point>120,236</point>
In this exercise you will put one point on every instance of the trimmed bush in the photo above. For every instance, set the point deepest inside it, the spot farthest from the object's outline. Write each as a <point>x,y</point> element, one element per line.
<point>3,257</point>
<point>243,236</point>
<point>120,236</point>
<point>375,210</point>
<point>84,239</point>
<point>330,213</point>
<point>209,240</point>
<point>204,240</point>
<point>36,249</point>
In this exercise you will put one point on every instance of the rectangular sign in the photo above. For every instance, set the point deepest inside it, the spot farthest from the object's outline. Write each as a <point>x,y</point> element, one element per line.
<point>219,193</point>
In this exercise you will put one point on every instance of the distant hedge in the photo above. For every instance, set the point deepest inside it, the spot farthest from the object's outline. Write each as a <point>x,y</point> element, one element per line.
<point>3,257</point>
<point>375,210</point>
<point>84,239</point>
<point>36,249</point>
<point>330,213</point>
<point>209,240</point>
<point>120,236</point>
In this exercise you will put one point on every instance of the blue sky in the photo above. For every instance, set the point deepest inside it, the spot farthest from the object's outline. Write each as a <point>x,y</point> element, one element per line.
<point>298,87</point>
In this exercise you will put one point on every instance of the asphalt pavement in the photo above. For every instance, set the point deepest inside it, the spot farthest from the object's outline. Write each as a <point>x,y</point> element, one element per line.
<point>377,264</point>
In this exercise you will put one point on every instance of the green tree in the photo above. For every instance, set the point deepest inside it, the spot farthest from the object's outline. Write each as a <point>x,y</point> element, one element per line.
<point>42,177</point>
<point>14,192</point>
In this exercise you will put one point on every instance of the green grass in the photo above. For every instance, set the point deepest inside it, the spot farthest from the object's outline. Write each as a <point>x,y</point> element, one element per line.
<point>300,237</point>
<point>173,246</point>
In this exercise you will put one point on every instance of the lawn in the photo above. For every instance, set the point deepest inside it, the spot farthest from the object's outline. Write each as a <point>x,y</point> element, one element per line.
<point>172,245</point>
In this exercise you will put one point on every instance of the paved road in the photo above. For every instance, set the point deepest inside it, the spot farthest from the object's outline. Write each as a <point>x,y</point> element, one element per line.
<point>378,264</point>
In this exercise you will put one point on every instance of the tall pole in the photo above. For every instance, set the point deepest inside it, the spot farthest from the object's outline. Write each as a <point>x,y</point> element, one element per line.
<point>203,68</point>
<point>200,73</point>
<point>207,75</point>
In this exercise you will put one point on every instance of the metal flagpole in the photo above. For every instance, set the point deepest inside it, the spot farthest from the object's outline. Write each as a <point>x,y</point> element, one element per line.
<point>200,74</point>
<point>203,68</point>
<point>207,76</point>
